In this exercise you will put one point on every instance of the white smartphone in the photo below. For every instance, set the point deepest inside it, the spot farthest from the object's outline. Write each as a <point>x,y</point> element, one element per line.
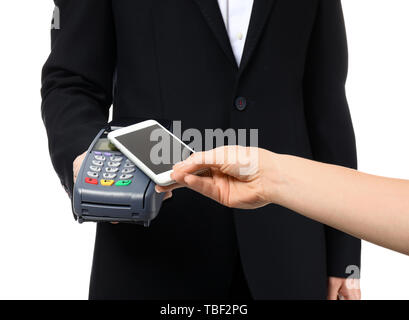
<point>152,148</point>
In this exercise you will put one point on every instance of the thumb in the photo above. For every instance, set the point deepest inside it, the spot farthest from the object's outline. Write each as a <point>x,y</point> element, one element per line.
<point>201,160</point>
<point>228,159</point>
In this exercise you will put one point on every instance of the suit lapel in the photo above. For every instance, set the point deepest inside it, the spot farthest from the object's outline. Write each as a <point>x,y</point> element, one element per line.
<point>261,12</point>
<point>211,12</point>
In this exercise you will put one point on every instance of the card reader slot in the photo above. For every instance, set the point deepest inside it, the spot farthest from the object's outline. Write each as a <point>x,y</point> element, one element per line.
<point>104,205</point>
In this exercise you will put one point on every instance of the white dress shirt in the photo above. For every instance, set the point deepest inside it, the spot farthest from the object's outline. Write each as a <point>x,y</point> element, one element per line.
<point>236,15</point>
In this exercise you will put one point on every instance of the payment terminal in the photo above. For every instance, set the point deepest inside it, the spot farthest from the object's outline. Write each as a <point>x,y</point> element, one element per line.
<point>110,188</point>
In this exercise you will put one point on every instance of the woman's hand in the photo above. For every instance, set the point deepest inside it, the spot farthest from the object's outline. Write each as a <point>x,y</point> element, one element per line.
<point>235,176</point>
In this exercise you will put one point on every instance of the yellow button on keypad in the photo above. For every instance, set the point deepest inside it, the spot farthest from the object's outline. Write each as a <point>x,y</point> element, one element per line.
<point>107,183</point>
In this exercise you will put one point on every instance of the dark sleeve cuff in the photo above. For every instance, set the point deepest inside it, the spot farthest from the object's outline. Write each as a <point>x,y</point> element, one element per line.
<point>343,254</point>
<point>63,157</point>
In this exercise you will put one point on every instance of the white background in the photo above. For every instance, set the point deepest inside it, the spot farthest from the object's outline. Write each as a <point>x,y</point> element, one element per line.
<point>44,254</point>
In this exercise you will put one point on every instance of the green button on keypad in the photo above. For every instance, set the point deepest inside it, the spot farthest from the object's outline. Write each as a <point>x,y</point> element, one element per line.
<point>123,183</point>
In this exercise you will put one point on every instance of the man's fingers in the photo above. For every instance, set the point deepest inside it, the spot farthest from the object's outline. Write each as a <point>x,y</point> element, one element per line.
<point>77,165</point>
<point>354,294</point>
<point>333,292</point>
<point>332,295</point>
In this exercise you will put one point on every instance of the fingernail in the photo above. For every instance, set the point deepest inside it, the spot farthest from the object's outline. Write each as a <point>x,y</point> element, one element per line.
<point>157,189</point>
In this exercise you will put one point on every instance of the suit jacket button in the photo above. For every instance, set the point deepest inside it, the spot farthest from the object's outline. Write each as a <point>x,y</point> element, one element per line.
<point>240,103</point>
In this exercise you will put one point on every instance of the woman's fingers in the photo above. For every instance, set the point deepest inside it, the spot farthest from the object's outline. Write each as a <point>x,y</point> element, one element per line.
<point>203,185</point>
<point>235,161</point>
<point>161,189</point>
<point>191,165</point>
<point>228,160</point>
<point>199,161</point>
<point>168,195</point>
<point>178,176</point>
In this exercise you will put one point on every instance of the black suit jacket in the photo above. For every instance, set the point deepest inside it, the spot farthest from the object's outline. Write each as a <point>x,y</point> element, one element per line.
<point>171,59</point>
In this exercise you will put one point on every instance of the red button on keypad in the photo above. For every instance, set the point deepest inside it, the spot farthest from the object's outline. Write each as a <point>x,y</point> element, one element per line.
<point>91,181</point>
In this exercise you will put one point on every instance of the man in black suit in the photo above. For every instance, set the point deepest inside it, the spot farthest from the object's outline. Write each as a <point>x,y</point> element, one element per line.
<point>174,59</point>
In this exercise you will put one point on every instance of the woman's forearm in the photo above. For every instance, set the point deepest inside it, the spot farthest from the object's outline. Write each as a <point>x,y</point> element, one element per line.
<point>368,207</point>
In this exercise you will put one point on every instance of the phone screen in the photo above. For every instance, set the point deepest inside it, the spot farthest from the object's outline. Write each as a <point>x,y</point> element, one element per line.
<point>155,148</point>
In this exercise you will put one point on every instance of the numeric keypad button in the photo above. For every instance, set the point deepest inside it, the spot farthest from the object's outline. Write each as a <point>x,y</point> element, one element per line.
<point>125,177</point>
<point>128,170</point>
<point>109,175</point>
<point>116,158</point>
<point>92,174</point>
<point>95,168</point>
<point>129,165</point>
<point>114,164</point>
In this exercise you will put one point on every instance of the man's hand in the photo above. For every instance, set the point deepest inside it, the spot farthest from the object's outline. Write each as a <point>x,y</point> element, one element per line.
<point>343,289</point>
<point>77,165</point>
